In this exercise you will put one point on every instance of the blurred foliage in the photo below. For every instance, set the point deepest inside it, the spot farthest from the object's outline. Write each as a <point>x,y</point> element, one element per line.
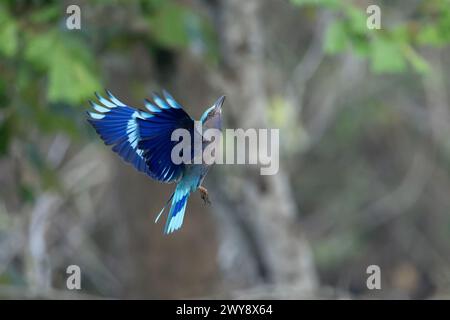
<point>394,46</point>
<point>67,62</point>
<point>47,72</point>
<point>370,149</point>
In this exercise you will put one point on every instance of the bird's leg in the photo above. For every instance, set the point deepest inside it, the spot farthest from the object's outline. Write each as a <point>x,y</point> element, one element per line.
<point>204,195</point>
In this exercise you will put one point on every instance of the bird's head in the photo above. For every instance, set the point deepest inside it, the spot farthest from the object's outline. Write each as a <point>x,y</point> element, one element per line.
<point>212,117</point>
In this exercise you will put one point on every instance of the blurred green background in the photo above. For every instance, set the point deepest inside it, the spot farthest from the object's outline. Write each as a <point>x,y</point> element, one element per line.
<point>365,158</point>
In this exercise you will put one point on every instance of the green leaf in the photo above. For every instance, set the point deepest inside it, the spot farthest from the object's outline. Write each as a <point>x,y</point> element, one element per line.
<point>8,34</point>
<point>26,193</point>
<point>68,63</point>
<point>387,56</point>
<point>70,78</point>
<point>46,14</point>
<point>6,132</point>
<point>419,64</point>
<point>326,3</point>
<point>335,38</point>
<point>357,20</point>
<point>4,97</point>
<point>360,45</point>
<point>169,26</point>
<point>39,49</point>
<point>430,35</point>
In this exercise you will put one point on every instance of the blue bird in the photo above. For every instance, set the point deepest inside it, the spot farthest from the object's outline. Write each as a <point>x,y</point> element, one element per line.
<point>143,139</point>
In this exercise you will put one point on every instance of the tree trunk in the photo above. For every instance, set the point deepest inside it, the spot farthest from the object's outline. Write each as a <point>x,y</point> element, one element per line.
<point>261,243</point>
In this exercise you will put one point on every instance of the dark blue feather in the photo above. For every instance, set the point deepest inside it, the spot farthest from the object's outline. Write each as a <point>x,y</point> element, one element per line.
<point>116,124</point>
<point>155,138</point>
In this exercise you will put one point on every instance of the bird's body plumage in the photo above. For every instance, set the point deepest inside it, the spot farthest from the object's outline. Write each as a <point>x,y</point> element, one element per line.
<point>143,139</point>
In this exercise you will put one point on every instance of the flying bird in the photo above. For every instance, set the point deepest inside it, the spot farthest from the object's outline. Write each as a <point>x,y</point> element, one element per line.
<point>143,139</point>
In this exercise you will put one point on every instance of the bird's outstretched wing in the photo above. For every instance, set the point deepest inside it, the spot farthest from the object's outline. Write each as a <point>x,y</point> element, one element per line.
<point>156,133</point>
<point>142,138</point>
<point>116,124</point>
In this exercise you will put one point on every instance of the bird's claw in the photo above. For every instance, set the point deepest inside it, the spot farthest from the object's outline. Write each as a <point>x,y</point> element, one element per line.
<point>204,195</point>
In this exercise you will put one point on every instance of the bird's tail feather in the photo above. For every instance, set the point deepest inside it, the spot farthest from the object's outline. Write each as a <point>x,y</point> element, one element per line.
<point>177,209</point>
<point>162,210</point>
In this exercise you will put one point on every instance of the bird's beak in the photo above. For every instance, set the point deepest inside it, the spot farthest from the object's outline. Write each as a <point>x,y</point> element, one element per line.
<point>218,104</point>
